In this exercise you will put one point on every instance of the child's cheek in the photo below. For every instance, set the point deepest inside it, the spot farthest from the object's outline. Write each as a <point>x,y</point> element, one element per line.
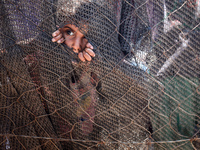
<point>85,41</point>
<point>68,42</point>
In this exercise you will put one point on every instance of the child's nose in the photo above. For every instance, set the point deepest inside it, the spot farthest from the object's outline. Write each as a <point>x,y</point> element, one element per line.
<point>77,45</point>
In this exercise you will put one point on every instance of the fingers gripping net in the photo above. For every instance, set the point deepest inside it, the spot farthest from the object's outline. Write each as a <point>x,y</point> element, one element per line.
<point>140,91</point>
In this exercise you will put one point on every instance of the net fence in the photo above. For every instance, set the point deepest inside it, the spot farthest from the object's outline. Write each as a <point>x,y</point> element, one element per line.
<point>140,91</point>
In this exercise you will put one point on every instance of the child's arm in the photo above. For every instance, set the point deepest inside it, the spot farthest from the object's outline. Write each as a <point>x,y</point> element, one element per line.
<point>85,55</point>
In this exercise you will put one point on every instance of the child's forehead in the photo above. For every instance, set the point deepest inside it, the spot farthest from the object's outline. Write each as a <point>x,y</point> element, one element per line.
<point>82,27</point>
<point>70,25</point>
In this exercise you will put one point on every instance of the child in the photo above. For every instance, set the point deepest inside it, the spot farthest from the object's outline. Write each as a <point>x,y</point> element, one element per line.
<point>76,40</point>
<point>83,87</point>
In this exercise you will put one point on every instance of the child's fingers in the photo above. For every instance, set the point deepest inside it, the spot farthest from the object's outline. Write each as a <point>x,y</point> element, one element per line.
<point>80,56</point>
<point>56,38</point>
<point>90,52</point>
<point>88,45</point>
<point>61,40</point>
<point>87,56</point>
<point>56,33</point>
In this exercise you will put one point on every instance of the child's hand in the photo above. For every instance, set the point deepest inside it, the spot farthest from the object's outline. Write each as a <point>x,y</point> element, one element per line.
<point>58,37</point>
<point>85,55</point>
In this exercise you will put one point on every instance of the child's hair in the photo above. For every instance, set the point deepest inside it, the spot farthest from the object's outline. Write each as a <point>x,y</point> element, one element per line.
<point>85,14</point>
<point>80,18</point>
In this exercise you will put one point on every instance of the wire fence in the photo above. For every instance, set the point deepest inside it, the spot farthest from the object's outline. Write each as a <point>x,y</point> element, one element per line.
<point>141,90</point>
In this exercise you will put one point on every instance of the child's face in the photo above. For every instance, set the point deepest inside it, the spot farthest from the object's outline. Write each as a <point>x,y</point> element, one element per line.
<point>74,38</point>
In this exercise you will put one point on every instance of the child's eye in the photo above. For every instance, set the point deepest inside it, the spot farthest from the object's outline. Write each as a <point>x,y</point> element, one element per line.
<point>69,32</point>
